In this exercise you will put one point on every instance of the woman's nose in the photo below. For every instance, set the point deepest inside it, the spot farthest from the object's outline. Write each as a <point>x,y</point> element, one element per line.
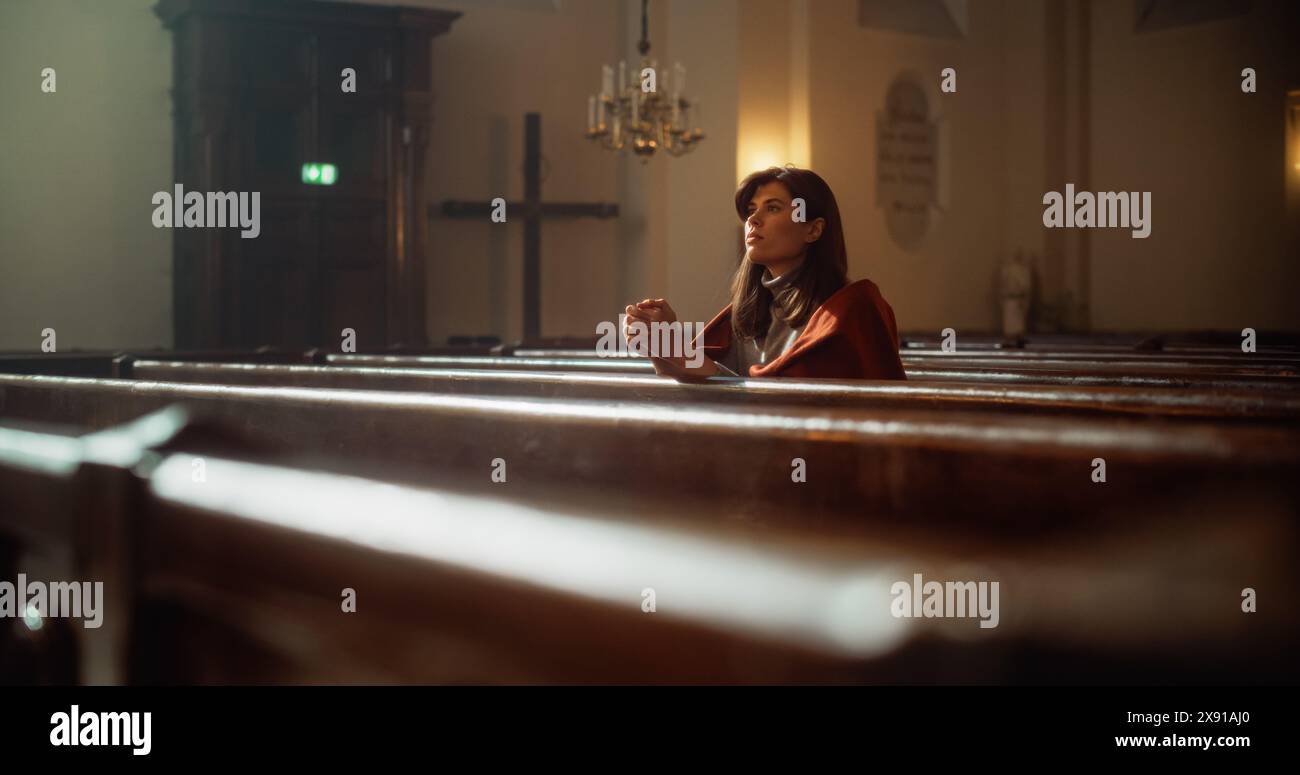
<point>754,220</point>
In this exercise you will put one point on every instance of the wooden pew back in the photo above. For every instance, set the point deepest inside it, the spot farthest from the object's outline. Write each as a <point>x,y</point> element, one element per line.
<point>1021,473</point>
<point>1226,405</point>
<point>240,576</point>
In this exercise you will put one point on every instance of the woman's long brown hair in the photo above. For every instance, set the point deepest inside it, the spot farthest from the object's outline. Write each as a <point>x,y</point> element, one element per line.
<point>824,270</point>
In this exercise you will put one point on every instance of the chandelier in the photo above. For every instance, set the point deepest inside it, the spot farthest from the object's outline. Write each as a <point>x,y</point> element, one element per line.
<point>649,112</point>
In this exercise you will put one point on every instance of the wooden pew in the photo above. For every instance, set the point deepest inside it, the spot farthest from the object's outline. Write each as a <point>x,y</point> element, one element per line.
<point>1175,379</point>
<point>1017,473</point>
<point>1110,364</point>
<point>109,363</point>
<point>113,363</point>
<point>1029,358</point>
<point>238,578</point>
<point>576,361</point>
<point>465,590</point>
<point>589,363</point>
<point>1068,367</point>
<point>1099,374</point>
<point>1245,406</point>
<point>1012,357</point>
<point>1270,342</point>
<point>66,509</point>
<point>1126,347</point>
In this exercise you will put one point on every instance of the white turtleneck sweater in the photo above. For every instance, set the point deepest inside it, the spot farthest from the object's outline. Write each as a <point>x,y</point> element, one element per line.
<point>744,353</point>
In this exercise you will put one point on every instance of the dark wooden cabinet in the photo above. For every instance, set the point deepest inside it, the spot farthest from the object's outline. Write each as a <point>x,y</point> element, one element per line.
<point>257,94</point>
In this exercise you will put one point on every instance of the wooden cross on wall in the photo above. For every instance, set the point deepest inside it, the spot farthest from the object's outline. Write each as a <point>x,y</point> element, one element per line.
<point>534,210</point>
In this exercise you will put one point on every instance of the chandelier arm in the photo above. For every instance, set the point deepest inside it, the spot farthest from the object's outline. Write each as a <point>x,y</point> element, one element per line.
<point>644,45</point>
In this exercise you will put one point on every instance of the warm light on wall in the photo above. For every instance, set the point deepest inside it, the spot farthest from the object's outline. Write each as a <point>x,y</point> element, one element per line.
<point>1293,125</point>
<point>756,152</point>
<point>773,98</point>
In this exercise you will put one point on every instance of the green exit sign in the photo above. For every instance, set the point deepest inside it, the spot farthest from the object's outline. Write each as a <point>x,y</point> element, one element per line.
<point>319,174</point>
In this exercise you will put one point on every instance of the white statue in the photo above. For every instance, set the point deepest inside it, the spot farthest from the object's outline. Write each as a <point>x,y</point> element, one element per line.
<point>1017,282</point>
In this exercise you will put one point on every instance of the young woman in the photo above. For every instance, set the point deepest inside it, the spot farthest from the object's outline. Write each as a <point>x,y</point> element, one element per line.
<point>793,312</point>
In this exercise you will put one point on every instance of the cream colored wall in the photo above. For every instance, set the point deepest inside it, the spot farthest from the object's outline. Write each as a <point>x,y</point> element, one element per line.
<point>765,88</point>
<point>948,281</point>
<point>1020,108</point>
<point>1163,113</point>
<point>499,61</point>
<point>675,235</point>
<point>703,246</point>
<point>78,250</point>
<point>1169,117</point>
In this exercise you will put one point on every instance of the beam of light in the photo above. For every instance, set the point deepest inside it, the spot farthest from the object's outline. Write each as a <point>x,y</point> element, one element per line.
<point>765,590</point>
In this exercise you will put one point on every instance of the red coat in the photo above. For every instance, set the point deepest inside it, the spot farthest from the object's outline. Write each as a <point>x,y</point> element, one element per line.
<point>851,336</point>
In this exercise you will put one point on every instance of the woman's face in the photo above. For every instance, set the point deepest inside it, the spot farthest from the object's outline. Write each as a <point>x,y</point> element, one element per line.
<point>772,235</point>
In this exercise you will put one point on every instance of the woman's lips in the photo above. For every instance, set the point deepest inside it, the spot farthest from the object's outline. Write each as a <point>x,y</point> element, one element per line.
<point>751,239</point>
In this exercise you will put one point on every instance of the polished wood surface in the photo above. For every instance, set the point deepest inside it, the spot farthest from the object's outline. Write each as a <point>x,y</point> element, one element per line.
<point>239,577</point>
<point>1019,472</point>
<point>1243,405</point>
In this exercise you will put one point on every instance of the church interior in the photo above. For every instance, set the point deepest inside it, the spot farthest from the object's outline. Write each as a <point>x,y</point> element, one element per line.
<point>302,375</point>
